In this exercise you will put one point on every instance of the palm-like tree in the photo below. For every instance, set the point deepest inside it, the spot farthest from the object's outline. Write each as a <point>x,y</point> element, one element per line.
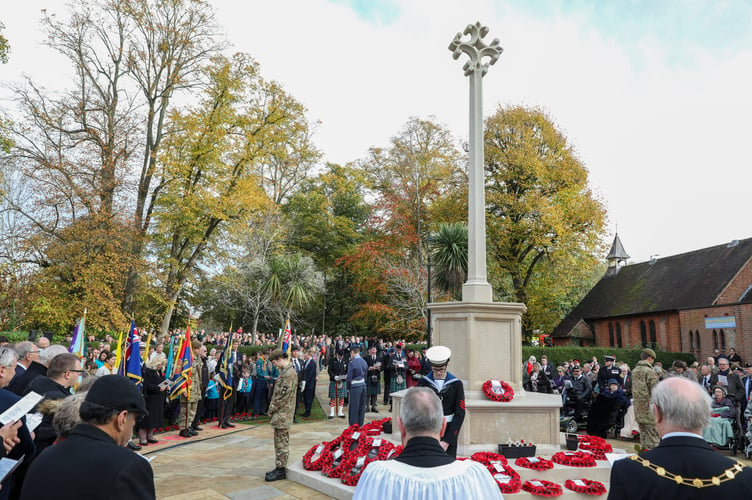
<point>293,282</point>
<point>449,255</point>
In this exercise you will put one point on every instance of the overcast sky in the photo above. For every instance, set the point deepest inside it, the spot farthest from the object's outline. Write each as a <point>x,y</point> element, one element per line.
<point>654,95</point>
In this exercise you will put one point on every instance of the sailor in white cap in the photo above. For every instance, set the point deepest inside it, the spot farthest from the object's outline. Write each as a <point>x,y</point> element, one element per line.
<point>451,393</point>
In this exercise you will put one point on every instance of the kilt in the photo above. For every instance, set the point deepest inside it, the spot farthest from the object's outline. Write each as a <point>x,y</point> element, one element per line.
<point>335,393</point>
<point>373,388</point>
<point>394,386</point>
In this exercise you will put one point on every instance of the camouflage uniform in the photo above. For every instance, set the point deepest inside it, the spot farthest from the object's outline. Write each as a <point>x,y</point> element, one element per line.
<point>644,379</point>
<point>281,411</point>
<point>188,406</point>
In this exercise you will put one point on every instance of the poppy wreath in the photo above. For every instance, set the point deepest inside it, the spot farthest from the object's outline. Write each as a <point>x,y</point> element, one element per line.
<point>546,488</point>
<point>385,450</point>
<point>537,463</point>
<point>504,397</point>
<point>511,485</point>
<point>486,457</point>
<point>352,471</point>
<point>335,464</point>
<point>328,456</point>
<point>348,436</point>
<point>313,459</point>
<point>375,427</point>
<point>595,445</point>
<point>574,458</point>
<point>589,488</point>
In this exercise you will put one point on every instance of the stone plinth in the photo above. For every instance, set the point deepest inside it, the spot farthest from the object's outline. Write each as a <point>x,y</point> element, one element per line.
<point>485,339</point>
<point>530,416</point>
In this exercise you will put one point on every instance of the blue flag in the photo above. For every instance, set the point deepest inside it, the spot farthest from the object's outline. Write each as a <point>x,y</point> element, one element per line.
<point>183,368</point>
<point>132,359</point>
<point>225,371</point>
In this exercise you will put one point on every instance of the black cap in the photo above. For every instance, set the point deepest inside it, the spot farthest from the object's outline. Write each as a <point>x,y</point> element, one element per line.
<point>748,364</point>
<point>117,393</point>
<point>613,381</point>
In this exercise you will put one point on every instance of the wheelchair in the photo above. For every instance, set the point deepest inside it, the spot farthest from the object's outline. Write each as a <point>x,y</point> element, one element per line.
<point>567,422</point>
<point>736,441</point>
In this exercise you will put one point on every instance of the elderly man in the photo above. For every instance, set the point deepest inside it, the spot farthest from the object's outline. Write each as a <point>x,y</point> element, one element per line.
<point>423,470</point>
<point>730,380</point>
<point>108,413</point>
<point>683,465</point>
<point>25,444</point>
<point>26,352</point>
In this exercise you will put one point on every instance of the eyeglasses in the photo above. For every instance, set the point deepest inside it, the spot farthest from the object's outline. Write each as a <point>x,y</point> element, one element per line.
<point>77,371</point>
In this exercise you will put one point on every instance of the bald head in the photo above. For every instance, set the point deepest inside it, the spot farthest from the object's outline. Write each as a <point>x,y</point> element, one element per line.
<point>680,405</point>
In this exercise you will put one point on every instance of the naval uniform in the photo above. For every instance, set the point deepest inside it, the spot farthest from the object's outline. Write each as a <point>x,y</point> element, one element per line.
<point>452,396</point>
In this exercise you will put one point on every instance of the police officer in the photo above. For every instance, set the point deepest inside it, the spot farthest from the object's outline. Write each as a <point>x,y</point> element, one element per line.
<point>451,393</point>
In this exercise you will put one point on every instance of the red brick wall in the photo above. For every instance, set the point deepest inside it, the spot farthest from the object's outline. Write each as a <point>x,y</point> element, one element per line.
<point>738,285</point>
<point>667,331</point>
<point>739,338</point>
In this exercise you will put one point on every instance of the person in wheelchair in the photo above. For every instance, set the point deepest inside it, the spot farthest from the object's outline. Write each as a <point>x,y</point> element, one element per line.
<point>722,403</point>
<point>579,392</point>
<point>606,410</point>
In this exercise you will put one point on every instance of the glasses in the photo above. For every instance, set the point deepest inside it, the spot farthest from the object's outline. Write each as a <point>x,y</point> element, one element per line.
<point>77,371</point>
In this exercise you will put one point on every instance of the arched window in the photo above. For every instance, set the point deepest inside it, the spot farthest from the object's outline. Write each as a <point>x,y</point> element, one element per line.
<point>691,340</point>
<point>618,335</point>
<point>610,334</point>
<point>643,334</point>
<point>697,340</point>
<point>723,339</point>
<point>652,333</point>
<point>715,339</point>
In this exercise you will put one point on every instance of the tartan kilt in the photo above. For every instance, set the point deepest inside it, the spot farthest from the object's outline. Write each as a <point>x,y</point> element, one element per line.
<point>371,387</point>
<point>334,393</point>
<point>394,386</point>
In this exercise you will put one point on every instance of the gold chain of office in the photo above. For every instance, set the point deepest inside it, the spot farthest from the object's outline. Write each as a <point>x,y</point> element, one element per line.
<point>726,475</point>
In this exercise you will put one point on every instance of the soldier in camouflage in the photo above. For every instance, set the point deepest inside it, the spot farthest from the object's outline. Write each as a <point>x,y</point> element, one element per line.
<point>189,404</point>
<point>644,379</point>
<point>282,411</point>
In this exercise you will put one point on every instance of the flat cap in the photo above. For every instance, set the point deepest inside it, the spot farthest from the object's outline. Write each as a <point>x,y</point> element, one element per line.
<point>438,355</point>
<point>117,393</point>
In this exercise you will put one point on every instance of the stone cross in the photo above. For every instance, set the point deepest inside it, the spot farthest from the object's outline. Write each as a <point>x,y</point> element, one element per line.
<point>476,288</point>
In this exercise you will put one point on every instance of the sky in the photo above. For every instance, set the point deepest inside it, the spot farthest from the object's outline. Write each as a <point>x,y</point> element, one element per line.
<point>653,96</point>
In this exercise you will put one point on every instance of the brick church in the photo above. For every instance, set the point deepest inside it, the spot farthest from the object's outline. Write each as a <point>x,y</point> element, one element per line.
<point>692,302</point>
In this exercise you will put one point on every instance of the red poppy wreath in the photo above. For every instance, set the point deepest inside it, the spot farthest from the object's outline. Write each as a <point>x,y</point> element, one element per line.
<point>535,463</point>
<point>506,477</point>
<point>498,390</point>
<point>585,486</point>
<point>595,445</point>
<point>542,488</point>
<point>574,458</point>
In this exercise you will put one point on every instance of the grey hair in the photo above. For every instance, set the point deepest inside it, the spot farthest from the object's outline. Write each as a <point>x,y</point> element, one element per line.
<point>421,412</point>
<point>24,348</point>
<point>688,408</point>
<point>50,352</point>
<point>66,416</point>
<point>154,362</point>
<point>7,356</point>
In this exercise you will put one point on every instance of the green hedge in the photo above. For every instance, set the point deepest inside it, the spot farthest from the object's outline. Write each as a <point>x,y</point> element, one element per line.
<point>557,355</point>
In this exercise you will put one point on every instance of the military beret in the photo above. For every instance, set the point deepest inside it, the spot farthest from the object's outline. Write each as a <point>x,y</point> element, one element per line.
<point>276,354</point>
<point>117,393</point>
<point>649,352</point>
<point>196,344</point>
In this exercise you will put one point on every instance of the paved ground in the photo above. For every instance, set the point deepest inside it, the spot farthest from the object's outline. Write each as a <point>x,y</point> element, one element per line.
<point>220,463</point>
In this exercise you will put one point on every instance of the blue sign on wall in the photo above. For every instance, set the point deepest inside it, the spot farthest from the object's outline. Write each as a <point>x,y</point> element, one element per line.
<point>722,322</point>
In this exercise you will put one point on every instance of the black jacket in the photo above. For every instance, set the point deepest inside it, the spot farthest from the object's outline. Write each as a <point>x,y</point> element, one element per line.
<point>24,448</point>
<point>111,471</point>
<point>19,382</point>
<point>689,457</point>
<point>44,434</point>
<point>424,451</point>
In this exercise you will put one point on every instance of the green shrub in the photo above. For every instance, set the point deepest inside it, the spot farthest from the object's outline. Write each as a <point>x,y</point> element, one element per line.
<point>557,355</point>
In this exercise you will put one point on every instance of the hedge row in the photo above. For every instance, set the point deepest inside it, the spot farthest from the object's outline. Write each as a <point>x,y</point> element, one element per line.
<point>557,355</point>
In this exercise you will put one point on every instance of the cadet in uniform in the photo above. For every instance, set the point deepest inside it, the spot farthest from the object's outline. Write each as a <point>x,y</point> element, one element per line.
<point>282,411</point>
<point>451,393</point>
<point>608,372</point>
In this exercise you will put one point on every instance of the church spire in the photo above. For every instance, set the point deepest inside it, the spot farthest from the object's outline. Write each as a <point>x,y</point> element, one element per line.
<point>616,255</point>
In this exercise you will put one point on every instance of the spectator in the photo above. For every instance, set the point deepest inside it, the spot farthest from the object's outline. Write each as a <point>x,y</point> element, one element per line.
<point>26,352</point>
<point>108,413</point>
<point>560,378</point>
<point>21,382</point>
<point>108,368</point>
<point>683,460</point>
<point>722,405</point>
<point>63,371</point>
<point>154,396</point>
<point>423,470</point>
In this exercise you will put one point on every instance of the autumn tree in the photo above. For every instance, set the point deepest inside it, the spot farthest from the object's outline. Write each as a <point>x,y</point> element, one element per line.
<point>544,222</point>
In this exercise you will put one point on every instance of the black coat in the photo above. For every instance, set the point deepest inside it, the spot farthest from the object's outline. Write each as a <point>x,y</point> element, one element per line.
<point>452,396</point>
<point>25,447</point>
<point>19,382</point>
<point>689,457</point>
<point>154,398</point>
<point>45,433</point>
<point>111,471</point>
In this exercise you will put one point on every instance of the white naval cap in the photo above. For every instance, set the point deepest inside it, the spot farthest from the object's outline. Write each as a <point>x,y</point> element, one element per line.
<point>438,355</point>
